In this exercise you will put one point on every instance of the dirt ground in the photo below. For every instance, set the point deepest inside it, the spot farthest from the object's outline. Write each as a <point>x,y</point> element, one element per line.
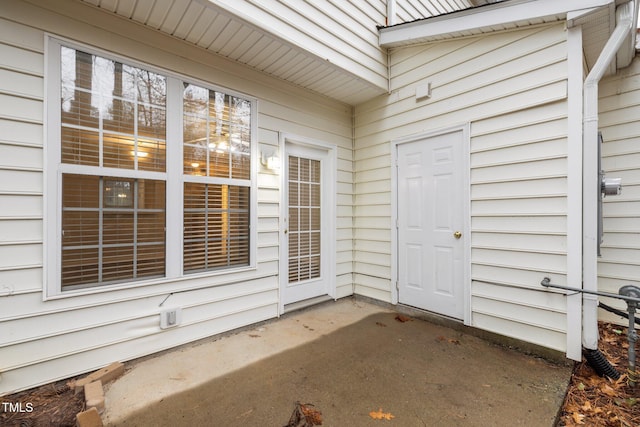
<point>590,399</point>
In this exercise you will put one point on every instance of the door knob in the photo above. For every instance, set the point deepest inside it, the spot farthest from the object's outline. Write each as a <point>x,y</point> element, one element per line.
<point>457,234</point>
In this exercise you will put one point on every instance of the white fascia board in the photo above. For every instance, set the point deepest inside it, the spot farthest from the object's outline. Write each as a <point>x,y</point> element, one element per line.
<point>484,17</point>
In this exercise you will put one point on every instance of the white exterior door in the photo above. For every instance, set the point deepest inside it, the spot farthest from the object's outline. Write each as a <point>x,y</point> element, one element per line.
<point>308,240</point>
<point>431,219</point>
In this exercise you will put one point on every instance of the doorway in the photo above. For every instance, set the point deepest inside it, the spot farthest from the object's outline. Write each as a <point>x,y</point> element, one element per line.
<point>432,216</point>
<point>308,242</point>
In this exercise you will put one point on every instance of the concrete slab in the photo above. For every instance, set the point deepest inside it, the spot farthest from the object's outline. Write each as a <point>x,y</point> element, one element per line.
<point>349,359</point>
<point>157,378</point>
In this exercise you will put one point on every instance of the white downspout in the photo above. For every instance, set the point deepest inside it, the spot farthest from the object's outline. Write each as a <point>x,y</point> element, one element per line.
<point>391,12</point>
<point>590,185</point>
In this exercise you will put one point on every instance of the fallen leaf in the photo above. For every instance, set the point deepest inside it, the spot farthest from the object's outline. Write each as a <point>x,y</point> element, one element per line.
<point>578,418</point>
<point>402,318</point>
<point>312,415</point>
<point>381,324</point>
<point>379,415</point>
<point>305,414</point>
<point>454,341</point>
<point>586,406</point>
<point>608,390</point>
<point>254,336</point>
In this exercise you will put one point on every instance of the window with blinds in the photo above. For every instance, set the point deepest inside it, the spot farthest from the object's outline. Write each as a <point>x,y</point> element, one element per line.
<point>216,167</point>
<point>112,116</point>
<point>216,226</point>
<point>115,173</point>
<point>113,229</point>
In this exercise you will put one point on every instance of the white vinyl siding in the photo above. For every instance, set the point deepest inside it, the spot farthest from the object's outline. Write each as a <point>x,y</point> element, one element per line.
<point>619,122</point>
<point>511,87</point>
<point>21,161</point>
<point>411,10</point>
<point>40,340</point>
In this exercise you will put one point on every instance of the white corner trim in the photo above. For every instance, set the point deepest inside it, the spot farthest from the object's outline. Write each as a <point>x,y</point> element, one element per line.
<point>574,193</point>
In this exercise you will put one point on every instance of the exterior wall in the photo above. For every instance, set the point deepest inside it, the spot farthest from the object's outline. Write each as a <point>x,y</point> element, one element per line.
<point>41,341</point>
<point>619,123</point>
<point>512,89</point>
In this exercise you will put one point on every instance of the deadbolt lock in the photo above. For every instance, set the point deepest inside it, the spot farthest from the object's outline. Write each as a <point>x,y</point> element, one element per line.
<point>457,234</point>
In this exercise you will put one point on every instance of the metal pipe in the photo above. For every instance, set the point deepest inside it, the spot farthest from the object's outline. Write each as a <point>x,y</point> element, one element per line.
<point>546,282</point>
<point>632,336</point>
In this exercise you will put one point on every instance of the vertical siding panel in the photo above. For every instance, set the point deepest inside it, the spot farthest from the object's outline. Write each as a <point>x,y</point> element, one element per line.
<point>511,88</point>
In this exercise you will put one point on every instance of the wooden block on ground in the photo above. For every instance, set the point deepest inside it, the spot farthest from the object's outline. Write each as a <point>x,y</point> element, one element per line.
<point>89,418</point>
<point>94,395</point>
<point>106,374</point>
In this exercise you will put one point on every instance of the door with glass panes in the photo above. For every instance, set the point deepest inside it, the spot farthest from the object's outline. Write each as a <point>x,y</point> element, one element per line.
<point>308,241</point>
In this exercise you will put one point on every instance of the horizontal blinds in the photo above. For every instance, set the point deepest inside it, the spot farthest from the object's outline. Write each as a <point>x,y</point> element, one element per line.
<point>113,229</point>
<point>216,226</point>
<point>216,134</point>
<point>304,219</point>
<point>113,117</point>
<point>216,145</point>
<point>113,114</point>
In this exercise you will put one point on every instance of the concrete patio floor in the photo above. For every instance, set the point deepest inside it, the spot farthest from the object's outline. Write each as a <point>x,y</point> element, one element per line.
<point>347,358</point>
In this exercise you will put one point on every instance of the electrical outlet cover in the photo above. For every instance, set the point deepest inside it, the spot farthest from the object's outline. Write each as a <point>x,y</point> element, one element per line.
<point>170,317</point>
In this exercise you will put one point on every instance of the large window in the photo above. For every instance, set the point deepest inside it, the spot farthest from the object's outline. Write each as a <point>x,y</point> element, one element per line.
<point>152,173</point>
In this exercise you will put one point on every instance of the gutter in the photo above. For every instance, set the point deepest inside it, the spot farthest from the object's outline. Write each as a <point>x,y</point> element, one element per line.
<point>626,21</point>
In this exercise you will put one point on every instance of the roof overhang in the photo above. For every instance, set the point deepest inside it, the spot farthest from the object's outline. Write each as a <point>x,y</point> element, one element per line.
<point>484,19</point>
<point>258,36</point>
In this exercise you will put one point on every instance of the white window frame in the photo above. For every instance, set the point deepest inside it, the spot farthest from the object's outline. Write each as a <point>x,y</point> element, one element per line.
<point>173,177</point>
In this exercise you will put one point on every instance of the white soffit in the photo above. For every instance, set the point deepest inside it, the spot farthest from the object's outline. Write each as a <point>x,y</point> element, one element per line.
<point>209,26</point>
<point>488,18</point>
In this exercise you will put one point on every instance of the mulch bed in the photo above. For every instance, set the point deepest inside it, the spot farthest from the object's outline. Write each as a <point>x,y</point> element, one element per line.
<point>591,400</point>
<point>599,401</point>
<point>53,404</point>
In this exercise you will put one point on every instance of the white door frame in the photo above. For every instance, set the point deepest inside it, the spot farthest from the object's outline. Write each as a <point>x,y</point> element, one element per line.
<point>466,209</point>
<point>329,234</point>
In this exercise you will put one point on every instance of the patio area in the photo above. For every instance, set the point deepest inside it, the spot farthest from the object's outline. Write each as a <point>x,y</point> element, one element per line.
<point>357,363</point>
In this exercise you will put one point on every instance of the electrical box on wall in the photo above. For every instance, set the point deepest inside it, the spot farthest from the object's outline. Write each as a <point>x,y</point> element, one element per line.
<point>170,317</point>
<point>423,91</point>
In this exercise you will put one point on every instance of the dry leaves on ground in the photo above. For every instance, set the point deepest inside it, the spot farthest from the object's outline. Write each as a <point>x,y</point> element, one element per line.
<point>305,415</point>
<point>402,318</point>
<point>379,415</point>
<point>599,401</point>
